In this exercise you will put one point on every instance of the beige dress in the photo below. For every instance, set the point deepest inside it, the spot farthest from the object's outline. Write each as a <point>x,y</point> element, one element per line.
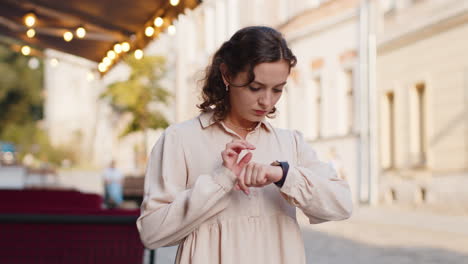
<point>190,200</point>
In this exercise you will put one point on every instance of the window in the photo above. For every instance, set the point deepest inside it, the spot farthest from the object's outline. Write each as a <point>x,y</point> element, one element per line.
<point>421,118</point>
<point>349,82</point>
<point>391,128</point>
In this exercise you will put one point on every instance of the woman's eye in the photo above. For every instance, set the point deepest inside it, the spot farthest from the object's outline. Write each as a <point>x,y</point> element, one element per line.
<point>277,90</point>
<point>253,89</point>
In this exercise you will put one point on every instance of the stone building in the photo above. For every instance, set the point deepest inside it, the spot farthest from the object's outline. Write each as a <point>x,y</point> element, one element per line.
<point>422,73</point>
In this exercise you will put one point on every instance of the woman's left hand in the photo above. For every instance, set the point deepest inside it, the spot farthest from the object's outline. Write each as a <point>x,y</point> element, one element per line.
<point>258,175</point>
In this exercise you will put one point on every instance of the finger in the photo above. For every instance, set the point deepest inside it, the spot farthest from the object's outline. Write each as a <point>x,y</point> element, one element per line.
<point>231,153</point>
<point>229,157</point>
<point>236,146</point>
<point>255,174</point>
<point>248,174</point>
<point>246,144</point>
<point>240,182</point>
<point>237,187</point>
<point>245,160</point>
<point>263,178</point>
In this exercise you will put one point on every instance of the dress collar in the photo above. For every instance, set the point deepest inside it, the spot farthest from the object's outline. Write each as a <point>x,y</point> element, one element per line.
<point>207,119</point>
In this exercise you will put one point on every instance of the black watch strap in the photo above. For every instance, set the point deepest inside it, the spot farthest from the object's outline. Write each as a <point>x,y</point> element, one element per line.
<point>285,167</point>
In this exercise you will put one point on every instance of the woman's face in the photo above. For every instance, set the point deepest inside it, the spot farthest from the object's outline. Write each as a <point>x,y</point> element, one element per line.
<point>254,101</point>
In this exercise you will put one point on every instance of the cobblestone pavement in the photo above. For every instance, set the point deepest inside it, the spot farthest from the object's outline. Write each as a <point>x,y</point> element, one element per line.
<point>380,235</point>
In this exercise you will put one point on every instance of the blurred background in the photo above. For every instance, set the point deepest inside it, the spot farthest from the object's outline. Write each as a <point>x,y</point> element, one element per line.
<point>380,91</point>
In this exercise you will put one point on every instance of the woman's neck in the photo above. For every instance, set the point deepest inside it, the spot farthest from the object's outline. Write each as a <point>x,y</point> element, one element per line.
<point>240,123</point>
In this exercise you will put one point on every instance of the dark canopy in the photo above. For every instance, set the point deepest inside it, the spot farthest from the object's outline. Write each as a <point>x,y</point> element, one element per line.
<point>106,21</point>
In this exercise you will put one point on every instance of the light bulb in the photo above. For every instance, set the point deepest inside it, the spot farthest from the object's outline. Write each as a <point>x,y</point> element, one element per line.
<point>125,46</point>
<point>80,32</point>
<point>54,62</point>
<point>26,50</point>
<point>118,48</point>
<point>158,22</point>
<point>90,76</point>
<point>174,2</point>
<point>138,54</point>
<point>111,54</point>
<point>31,33</point>
<point>149,31</point>
<point>171,30</point>
<point>30,19</point>
<point>102,67</point>
<point>106,61</point>
<point>68,36</point>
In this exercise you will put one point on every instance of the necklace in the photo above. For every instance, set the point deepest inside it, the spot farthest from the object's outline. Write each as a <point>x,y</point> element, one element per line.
<point>239,127</point>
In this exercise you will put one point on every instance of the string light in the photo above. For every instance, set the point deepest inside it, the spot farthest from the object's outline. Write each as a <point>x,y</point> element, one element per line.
<point>26,50</point>
<point>68,36</point>
<point>118,48</point>
<point>171,30</point>
<point>31,33</point>
<point>30,19</point>
<point>174,2</point>
<point>111,54</point>
<point>149,31</point>
<point>80,32</point>
<point>33,63</point>
<point>54,62</point>
<point>90,76</point>
<point>125,46</point>
<point>102,67</point>
<point>158,22</point>
<point>106,61</point>
<point>138,54</point>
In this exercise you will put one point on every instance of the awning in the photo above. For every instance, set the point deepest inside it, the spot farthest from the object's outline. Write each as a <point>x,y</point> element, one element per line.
<point>106,22</point>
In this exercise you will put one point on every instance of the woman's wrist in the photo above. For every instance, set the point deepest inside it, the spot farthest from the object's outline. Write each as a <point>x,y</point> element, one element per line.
<point>284,166</point>
<point>276,173</point>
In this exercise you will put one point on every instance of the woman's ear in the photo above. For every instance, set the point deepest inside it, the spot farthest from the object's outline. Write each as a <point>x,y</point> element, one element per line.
<point>224,73</point>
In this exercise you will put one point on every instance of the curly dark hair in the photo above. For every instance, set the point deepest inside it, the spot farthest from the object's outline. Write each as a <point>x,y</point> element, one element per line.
<point>247,48</point>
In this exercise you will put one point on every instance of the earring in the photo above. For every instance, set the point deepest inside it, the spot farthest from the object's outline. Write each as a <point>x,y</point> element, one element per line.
<point>227,88</point>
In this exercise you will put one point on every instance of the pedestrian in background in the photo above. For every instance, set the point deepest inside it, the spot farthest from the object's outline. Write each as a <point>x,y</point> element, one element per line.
<point>113,186</point>
<point>225,186</point>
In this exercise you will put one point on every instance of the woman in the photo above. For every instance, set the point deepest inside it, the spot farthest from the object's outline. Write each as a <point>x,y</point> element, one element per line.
<point>225,185</point>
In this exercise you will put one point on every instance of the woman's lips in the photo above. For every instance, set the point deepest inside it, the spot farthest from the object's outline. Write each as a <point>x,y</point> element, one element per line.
<point>259,112</point>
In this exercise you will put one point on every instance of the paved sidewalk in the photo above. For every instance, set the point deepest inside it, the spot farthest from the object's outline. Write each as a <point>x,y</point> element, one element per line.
<point>388,235</point>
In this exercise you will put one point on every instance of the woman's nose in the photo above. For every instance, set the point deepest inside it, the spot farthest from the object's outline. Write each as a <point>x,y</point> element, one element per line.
<point>265,99</point>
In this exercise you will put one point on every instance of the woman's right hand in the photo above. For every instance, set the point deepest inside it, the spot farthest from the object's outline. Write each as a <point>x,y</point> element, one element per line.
<point>231,153</point>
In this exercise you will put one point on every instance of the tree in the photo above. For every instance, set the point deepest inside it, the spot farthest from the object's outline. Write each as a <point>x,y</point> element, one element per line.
<point>140,95</point>
<point>21,89</point>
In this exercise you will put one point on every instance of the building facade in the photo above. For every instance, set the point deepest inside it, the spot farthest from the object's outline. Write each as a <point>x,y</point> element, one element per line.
<point>422,68</point>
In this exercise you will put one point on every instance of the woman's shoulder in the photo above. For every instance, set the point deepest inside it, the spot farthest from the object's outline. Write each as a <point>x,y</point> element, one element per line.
<point>187,127</point>
<point>286,132</point>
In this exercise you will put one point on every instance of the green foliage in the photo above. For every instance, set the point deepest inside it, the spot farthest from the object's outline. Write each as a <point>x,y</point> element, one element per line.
<point>21,89</point>
<point>137,94</point>
<point>21,106</point>
<point>30,139</point>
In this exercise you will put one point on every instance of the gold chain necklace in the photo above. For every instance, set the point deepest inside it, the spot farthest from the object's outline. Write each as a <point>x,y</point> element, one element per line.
<point>239,127</point>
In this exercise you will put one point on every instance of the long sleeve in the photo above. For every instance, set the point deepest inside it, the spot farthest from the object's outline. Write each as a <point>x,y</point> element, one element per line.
<point>170,210</point>
<point>313,186</point>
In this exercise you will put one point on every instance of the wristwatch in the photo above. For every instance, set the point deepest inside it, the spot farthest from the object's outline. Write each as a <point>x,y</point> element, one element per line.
<point>285,167</point>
